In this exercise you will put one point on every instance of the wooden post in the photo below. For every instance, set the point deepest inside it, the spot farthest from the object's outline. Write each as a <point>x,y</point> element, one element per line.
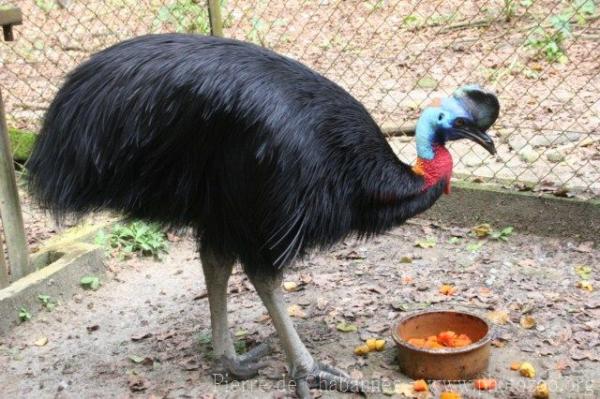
<point>3,268</point>
<point>214,14</point>
<point>10,208</point>
<point>9,16</point>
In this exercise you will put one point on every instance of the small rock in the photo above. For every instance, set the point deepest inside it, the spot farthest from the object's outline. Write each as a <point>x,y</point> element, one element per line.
<point>517,143</point>
<point>542,140</point>
<point>555,155</point>
<point>528,154</point>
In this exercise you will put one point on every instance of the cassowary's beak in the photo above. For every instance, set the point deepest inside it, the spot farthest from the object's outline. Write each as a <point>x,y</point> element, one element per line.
<point>478,136</point>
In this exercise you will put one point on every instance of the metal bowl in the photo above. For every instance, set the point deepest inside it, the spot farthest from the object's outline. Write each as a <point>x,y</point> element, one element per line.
<point>442,364</point>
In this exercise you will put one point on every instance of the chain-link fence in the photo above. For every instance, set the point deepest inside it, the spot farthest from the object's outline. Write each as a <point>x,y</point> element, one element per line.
<point>541,57</point>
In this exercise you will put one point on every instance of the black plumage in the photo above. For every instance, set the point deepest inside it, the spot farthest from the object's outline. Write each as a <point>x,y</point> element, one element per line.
<point>261,156</point>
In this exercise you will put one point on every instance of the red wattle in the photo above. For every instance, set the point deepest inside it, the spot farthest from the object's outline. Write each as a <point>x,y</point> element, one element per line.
<point>436,169</point>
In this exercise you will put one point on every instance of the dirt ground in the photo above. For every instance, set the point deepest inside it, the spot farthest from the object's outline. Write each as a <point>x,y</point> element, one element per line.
<point>144,333</point>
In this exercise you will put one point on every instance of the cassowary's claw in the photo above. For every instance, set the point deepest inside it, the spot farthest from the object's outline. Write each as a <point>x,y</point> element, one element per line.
<point>256,353</point>
<point>326,377</point>
<point>240,368</point>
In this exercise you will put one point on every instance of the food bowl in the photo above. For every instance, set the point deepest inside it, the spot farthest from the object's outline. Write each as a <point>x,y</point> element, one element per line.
<point>448,363</point>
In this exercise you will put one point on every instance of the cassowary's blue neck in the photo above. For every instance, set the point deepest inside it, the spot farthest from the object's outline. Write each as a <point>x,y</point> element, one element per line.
<point>425,133</point>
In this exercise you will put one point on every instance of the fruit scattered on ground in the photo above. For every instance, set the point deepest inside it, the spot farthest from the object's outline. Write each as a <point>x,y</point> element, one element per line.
<point>420,386</point>
<point>485,384</point>
<point>526,370</point>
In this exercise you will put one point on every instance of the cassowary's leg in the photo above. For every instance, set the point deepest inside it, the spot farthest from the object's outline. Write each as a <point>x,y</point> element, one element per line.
<point>217,271</point>
<point>303,369</point>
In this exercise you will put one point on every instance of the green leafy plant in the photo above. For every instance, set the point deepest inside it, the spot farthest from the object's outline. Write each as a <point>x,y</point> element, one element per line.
<point>187,16</point>
<point>548,43</point>
<point>47,302</point>
<point>502,234</point>
<point>90,282</point>
<point>46,5</point>
<point>24,315</point>
<point>475,246</point>
<point>135,238</point>
<point>509,9</point>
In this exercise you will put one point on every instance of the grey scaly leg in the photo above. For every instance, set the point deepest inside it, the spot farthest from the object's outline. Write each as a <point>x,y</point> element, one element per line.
<point>217,270</point>
<point>303,369</point>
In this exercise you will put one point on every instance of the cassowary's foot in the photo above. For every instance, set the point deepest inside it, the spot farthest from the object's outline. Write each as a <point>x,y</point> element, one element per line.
<point>242,367</point>
<point>323,376</point>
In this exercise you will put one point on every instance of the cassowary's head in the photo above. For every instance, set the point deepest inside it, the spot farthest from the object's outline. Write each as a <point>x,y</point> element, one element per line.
<point>468,113</point>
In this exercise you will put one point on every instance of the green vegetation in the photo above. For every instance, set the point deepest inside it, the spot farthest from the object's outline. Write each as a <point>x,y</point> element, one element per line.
<point>135,238</point>
<point>548,41</point>
<point>47,302</point>
<point>90,282</point>
<point>24,315</point>
<point>21,143</point>
<point>46,5</point>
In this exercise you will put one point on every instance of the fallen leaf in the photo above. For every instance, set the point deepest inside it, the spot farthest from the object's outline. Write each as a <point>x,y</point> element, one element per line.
<point>406,259</point>
<point>306,278</point>
<point>345,327</point>
<point>562,364</point>
<point>527,263</point>
<point>499,317</point>
<point>583,271</point>
<point>42,341</point>
<point>92,328</point>
<point>141,336</point>
<point>137,383</point>
<point>203,294</point>
<point>263,318</point>
<point>528,322</point>
<point>296,311</point>
<point>482,230</point>
<point>427,243</point>
<point>585,285</point>
<point>585,247</point>
<point>404,389</point>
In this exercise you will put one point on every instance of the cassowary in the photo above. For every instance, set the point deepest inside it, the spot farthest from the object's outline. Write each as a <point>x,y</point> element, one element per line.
<point>262,157</point>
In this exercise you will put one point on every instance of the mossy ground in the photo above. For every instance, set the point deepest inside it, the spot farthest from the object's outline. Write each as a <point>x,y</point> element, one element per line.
<point>21,143</point>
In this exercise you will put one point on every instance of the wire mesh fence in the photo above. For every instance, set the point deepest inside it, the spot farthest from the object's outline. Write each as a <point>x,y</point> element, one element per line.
<point>541,57</point>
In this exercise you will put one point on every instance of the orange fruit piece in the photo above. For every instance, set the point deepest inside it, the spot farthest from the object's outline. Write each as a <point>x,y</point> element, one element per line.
<point>485,384</point>
<point>447,289</point>
<point>450,395</point>
<point>460,341</point>
<point>420,386</point>
<point>515,366</point>
<point>446,337</point>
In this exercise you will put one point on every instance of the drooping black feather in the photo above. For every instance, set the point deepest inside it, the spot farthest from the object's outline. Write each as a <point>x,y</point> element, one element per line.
<point>262,156</point>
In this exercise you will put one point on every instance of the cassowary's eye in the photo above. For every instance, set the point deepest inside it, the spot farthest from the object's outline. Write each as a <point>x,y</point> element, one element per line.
<point>459,122</point>
<point>441,116</point>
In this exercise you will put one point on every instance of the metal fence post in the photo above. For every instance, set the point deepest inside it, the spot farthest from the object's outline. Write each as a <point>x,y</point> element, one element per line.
<point>214,14</point>
<point>10,208</point>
